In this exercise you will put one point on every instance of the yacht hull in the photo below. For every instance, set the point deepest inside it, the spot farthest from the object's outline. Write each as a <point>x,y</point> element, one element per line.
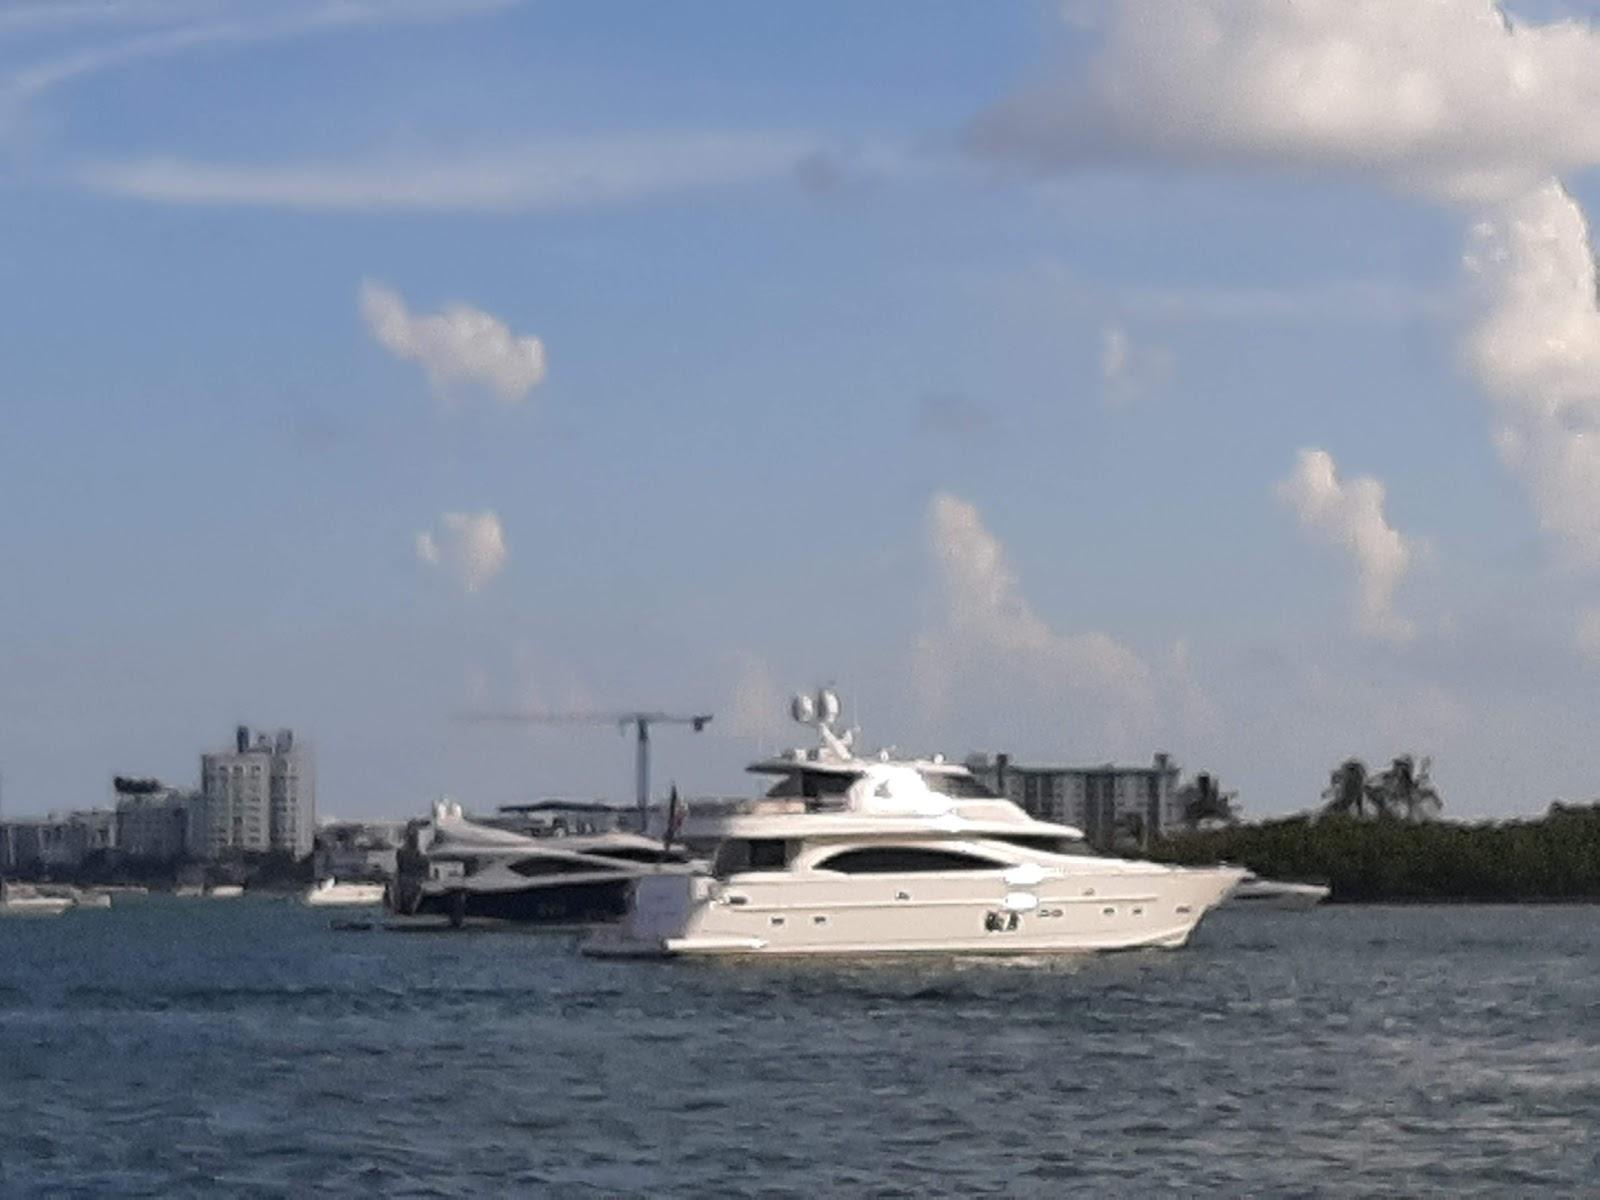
<point>1277,896</point>
<point>1070,914</point>
<point>559,904</point>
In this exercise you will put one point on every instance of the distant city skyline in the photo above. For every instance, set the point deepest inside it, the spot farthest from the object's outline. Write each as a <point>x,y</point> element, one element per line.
<point>1030,372</point>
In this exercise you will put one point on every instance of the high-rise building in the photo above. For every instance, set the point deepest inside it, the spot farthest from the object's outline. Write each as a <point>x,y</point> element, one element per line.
<point>260,796</point>
<point>1108,802</point>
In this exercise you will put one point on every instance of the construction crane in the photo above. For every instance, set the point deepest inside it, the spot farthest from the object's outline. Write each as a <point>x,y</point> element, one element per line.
<point>640,722</point>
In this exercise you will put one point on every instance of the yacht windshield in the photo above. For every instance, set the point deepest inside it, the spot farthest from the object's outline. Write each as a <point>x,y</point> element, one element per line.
<point>962,786</point>
<point>812,785</point>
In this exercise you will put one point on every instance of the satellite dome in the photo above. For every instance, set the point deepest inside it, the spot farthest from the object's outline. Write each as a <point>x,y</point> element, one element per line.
<point>827,706</point>
<point>802,710</point>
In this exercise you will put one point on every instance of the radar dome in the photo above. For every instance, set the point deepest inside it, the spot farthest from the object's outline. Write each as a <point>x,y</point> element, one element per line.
<point>802,710</point>
<point>827,706</point>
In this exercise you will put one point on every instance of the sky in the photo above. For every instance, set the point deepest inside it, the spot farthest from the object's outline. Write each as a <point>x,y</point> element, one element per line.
<point>1081,380</point>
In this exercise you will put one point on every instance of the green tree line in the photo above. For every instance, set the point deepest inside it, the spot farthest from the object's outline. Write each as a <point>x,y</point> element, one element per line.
<point>1378,837</point>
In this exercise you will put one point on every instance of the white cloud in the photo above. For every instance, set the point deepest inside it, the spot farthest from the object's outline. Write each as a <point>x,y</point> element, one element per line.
<point>759,709</point>
<point>1447,96</point>
<point>1199,719</point>
<point>1537,352</point>
<point>179,27</point>
<point>459,345</point>
<point>1588,633</point>
<point>470,547</point>
<point>989,631</point>
<point>1349,514</point>
<point>528,176</point>
<point>1452,98</point>
<point>1130,369</point>
<point>1115,351</point>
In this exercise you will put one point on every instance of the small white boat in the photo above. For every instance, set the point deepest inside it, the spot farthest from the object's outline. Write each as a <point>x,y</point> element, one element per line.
<point>20,900</point>
<point>92,898</point>
<point>330,892</point>
<point>225,891</point>
<point>1254,892</point>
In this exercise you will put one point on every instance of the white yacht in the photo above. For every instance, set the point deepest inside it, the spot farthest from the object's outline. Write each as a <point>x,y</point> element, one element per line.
<point>462,870</point>
<point>1281,895</point>
<point>847,855</point>
<point>330,893</point>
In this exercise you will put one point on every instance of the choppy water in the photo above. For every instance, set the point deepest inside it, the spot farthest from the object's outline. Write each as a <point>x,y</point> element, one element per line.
<point>170,1047</point>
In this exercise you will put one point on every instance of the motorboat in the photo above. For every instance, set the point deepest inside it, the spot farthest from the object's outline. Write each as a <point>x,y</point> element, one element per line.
<point>1279,895</point>
<point>461,870</point>
<point>225,891</point>
<point>22,900</point>
<point>328,893</point>
<point>854,855</point>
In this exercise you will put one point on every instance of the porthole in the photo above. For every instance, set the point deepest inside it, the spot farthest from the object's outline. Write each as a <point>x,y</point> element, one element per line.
<point>819,920</point>
<point>1108,912</point>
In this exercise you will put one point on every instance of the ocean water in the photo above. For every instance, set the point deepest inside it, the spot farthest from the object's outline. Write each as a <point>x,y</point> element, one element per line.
<point>173,1047</point>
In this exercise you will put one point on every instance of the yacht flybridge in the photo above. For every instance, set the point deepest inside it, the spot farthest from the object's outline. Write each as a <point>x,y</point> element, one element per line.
<point>852,855</point>
<point>462,870</point>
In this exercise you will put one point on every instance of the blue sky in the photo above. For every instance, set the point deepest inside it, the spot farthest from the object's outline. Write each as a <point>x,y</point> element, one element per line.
<point>885,345</point>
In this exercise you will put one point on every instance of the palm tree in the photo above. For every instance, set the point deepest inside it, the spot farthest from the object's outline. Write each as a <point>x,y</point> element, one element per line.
<point>1405,790</point>
<point>1130,830</point>
<point>1347,793</point>
<point>1204,801</point>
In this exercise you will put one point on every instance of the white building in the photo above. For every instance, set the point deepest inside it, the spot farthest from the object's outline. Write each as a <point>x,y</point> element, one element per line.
<point>162,825</point>
<point>1107,802</point>
<point>260,796</point>
<point>60,841</point>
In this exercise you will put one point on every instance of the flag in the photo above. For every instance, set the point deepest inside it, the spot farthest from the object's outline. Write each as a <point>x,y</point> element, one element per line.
<point>674,816</point>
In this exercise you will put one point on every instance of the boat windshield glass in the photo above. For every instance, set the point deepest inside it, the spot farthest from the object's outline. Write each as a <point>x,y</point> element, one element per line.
<point>960,785</point>
<point>813,785</point>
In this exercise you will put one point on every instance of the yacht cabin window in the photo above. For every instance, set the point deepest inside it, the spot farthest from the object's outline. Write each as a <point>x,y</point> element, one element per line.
<point>905,860</point>
<point>532,868</point>
<point>1046,842</point>
<point>751,854</point>
<point>640,854</point>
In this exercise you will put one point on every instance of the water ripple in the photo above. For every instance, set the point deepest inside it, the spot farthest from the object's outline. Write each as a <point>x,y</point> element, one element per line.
<point>165,1048</point>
